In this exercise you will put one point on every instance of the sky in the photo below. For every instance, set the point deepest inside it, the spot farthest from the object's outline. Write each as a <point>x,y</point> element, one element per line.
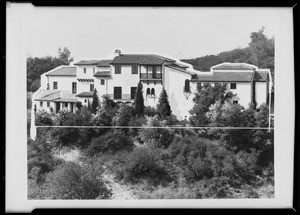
<point>95,32</point>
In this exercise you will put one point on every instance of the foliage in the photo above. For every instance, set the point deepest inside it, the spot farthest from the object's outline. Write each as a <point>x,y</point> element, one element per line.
<point>150,111</point>
<point>204,98</point>
<point>260,52</point>
<point>78,105</point>
<point>95,103</point>
<point>71,181</point>
<point>158,137</point>
<point>109,143</point>
<point>144,164</point>
<point>139,100</point>
<point>42,117</point>
<point>123,116</point>
<point>163,106</point>
<point>64,55</point>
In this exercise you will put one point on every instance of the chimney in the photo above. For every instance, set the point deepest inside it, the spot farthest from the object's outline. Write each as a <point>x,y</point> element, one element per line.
<point>117,52</point>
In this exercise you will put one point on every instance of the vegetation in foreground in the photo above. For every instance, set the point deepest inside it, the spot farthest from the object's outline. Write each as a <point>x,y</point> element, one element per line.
<point>166,163</point>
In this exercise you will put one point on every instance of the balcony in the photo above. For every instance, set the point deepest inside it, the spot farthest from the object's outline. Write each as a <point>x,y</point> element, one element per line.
<point>121,96</point>
<point>151,76</point>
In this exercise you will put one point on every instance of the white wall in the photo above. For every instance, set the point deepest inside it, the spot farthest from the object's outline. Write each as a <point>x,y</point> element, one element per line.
<point>126,80</point>
<point>243,91</point>
<point>89,71</point>
<point>150,100</point>
<point>260,92</point>
<point>63,82</point>
<point>174,83</point>
<point>84,86</point>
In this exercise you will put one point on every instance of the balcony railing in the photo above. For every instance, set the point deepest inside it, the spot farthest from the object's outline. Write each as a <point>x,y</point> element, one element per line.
<point>122,96</point>
<point>151,76</point>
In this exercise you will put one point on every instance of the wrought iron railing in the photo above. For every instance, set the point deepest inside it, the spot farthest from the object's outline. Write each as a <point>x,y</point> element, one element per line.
<point>151,76</point>
<point>122,96</point>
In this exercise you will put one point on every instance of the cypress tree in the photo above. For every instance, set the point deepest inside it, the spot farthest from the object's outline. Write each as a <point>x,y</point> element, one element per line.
<point>139,100</point>
<point>95,103</point>
<point>163,106</point>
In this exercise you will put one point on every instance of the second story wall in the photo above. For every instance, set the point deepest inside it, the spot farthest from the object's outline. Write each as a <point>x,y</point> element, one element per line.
<point>86,71</point>
<point>61,82</point>
<point>125,79</point>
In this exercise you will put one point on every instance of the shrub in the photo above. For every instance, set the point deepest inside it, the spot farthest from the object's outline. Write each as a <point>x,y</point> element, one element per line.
<point>110,143</point>
<point>71,181</point>
<point>123,116</point>
<point>150,111</point>
<point>143,164</point>
<point>43,118</point>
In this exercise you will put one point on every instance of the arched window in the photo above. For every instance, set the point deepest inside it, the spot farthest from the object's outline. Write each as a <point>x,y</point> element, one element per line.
<point>148,91</point>
<point>152,91</point>
<point>187,85</point>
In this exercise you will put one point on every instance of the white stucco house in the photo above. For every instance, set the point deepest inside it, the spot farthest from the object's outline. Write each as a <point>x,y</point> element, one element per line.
<point>118,78</point>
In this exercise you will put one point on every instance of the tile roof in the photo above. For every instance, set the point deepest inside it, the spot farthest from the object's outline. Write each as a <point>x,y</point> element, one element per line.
<point>56,96</point>
<point>179,65</point>
<point>234,66</point>
<point>261,75</point>
<point>104,63</point>
<point>47,95</point>
<point>142,59</point>
<point>102,74</point>
<point>180,69</point>
<point>224,77</point>
<point>87,62</point>
<point>85,94</point>
<point>67,98</point>
<point>63,71</point>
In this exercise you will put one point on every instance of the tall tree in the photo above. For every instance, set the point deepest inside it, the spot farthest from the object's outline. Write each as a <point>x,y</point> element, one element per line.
<point>95,102</point>
<point>64,55</point>
<point>139,100</point>
<point>163,106</point>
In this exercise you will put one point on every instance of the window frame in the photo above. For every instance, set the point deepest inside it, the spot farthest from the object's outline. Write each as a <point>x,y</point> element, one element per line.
<point>118,69</point>
<point>74,86</point>
<point>102,81</point>
<point>48,104</point>
<point>231,86</point>
<point>41,103</point>
<point>84,70</point>
<point>66,104</point>
<point>55,85</point>
<point>92,87</point>
<point>135,69</point>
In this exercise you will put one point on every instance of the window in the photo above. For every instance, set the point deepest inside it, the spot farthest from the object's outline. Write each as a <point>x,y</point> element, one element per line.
<point>132,92</point>
<point>48,104</point>
<point>152,91</point>
<point>187,85</point>
<point>93,70</point>
<point>102,81</point>
<point>66,104</point>
<point>74,87</point>
<point>84,70</point>
<point>54,85</point>
<point>118,69</point>
<point>85,101</point>
<point>41,104</point>
<point>91,87</point>
<point>117,92</point>
<point>148,91</point>
<point>235,102</point>
<point>232,85</point>
<point>134,69</point>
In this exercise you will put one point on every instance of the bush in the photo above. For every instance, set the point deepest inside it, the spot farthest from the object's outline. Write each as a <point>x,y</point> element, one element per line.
<point>109,143</point>
<point>123,116</point>
<point>150,111</point>
<point>158,137</point>
<point>43,118</point>
<point>71,181</point>
<point>144,164</point>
